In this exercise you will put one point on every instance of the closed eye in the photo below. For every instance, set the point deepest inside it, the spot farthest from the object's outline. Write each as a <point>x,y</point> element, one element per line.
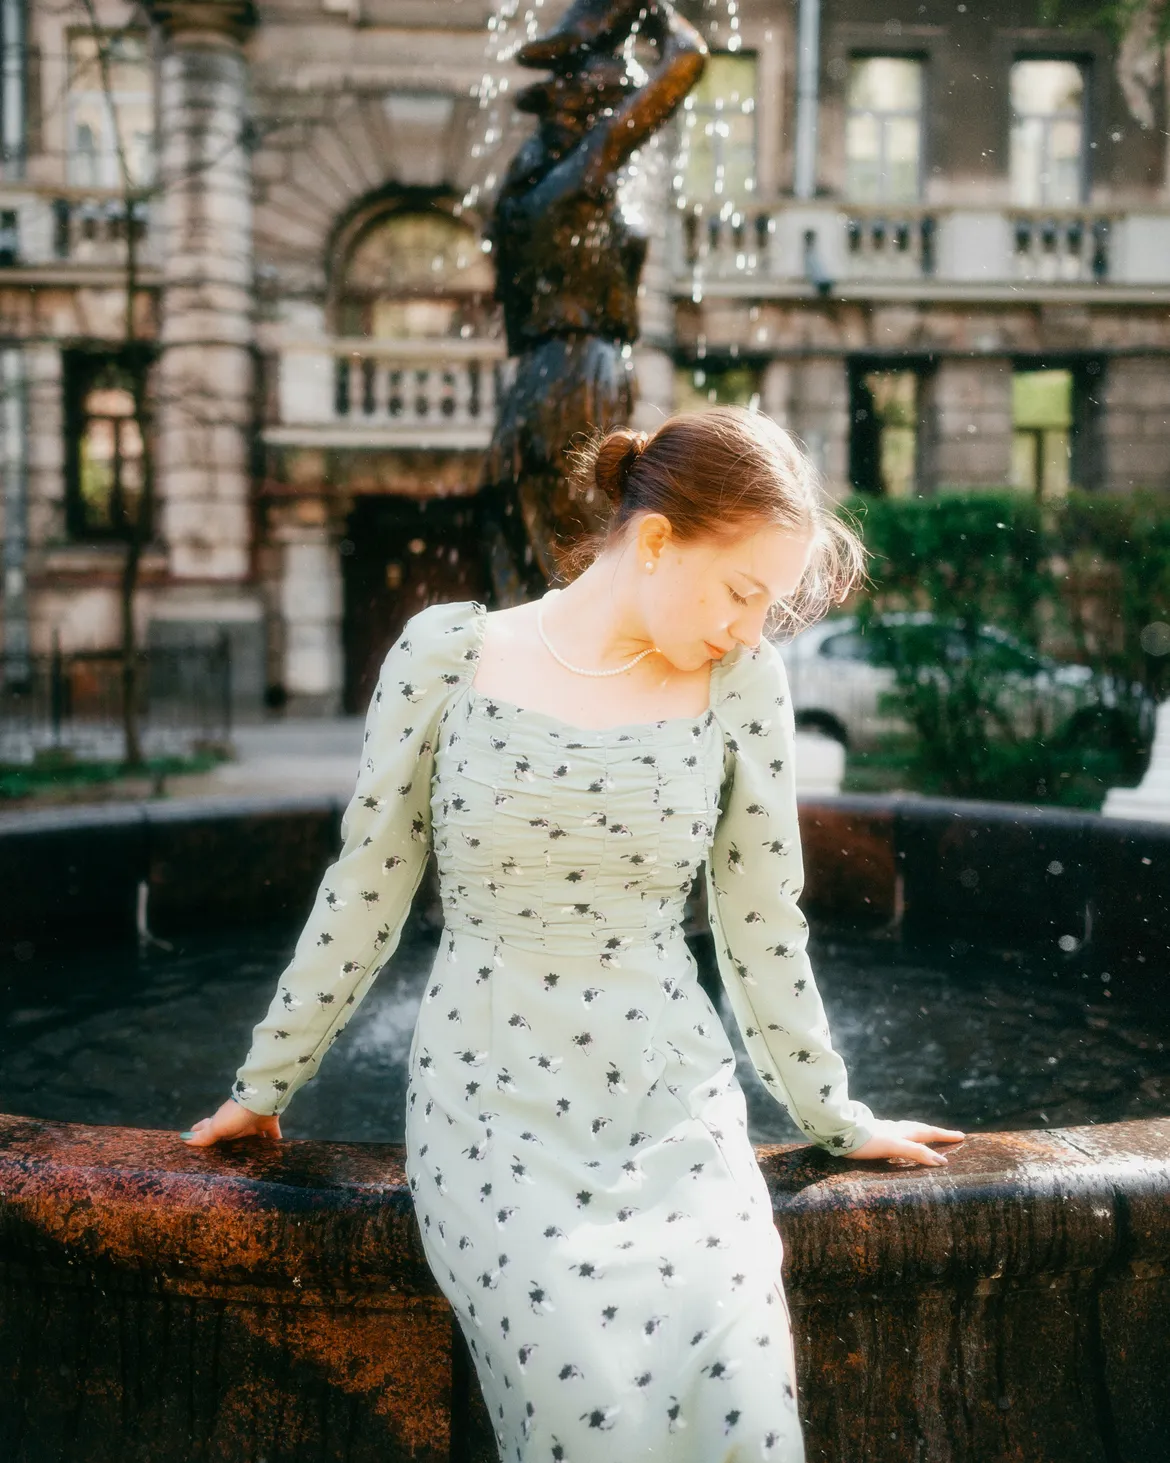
<point>739,599</point>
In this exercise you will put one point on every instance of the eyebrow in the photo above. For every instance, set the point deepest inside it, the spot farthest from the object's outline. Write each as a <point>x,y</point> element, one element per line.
<point>752,580</point>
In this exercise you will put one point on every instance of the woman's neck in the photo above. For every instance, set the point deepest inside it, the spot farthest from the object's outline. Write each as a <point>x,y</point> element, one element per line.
<point>597,618</point>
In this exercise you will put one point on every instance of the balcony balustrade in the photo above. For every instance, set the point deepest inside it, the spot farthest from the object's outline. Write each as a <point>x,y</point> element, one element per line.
<point>87,227</point>
<point>727,243</point>
<point>1061,246</point>
<point>93,229</point>
<point>420,393</point>
<point>790,246</point>
<point>890,245</point>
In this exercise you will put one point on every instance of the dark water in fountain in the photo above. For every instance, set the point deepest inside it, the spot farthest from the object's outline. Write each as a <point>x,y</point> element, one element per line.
<point>959,1037</point>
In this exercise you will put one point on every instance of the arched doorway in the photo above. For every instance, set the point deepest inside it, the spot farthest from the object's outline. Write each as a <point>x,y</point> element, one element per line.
<point>408,273</point>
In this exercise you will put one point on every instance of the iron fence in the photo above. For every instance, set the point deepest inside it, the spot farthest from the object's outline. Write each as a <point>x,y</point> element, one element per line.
<point>71,703</point>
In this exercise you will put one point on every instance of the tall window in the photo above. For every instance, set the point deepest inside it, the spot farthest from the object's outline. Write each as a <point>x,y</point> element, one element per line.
<point>883,436</point>
<point>104,477</point>
<point>717,151</point>
<point>1042,419</point>
<point>717,383</point>
<point>1048,134</point>
<point>883,130</point>
<point>111,103</point>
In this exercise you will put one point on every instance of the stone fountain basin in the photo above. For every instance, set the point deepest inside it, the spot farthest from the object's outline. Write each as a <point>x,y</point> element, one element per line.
<point>271,1300</point>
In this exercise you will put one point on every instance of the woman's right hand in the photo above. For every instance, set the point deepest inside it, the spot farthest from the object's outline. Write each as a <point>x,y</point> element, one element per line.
<point>229,1121</point>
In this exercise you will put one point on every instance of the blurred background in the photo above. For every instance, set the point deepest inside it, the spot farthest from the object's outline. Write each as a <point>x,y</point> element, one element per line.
<point>251,356</point>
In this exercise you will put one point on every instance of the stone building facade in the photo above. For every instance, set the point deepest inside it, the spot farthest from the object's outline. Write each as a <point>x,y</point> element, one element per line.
<point>936,245</point>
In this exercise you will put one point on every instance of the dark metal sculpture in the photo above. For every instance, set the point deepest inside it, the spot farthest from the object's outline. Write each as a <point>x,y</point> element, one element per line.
<point>568,263</point>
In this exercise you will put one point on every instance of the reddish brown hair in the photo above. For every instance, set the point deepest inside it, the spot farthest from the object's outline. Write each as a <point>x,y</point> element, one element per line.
<point>719,474</point>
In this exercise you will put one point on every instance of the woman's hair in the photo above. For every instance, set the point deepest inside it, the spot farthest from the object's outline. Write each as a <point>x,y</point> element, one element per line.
<point>719,474</point>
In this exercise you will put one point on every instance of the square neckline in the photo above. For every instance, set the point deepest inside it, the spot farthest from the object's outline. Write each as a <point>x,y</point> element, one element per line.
<point>704,718</point>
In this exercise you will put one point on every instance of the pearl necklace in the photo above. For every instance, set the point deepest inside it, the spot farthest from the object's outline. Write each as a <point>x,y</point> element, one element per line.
<point>579,670</point>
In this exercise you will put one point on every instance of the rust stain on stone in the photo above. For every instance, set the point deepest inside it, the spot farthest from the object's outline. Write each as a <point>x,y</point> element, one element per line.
<point>300,1264</point>
<point>397,1359</point>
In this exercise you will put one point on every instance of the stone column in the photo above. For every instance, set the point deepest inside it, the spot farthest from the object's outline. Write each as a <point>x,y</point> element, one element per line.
<point>967,420</point>
<point>819,416</point>
<point>14,511</point>
<point>206,369</point>
<point>44,376</point>
<point>1136,425</point>
<point>310,605</point>
<point>776,390</point>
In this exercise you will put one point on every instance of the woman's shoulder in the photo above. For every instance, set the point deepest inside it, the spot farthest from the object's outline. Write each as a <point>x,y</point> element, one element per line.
<point>751,703</point>
<point>447,633</point>
<point>749,675</point>
<point>445,616</point>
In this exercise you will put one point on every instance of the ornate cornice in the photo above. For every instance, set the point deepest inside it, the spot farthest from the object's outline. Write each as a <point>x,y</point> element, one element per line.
<point>235,19</point>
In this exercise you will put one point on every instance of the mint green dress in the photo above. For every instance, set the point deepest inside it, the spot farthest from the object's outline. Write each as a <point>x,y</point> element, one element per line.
<point>576,1138</point>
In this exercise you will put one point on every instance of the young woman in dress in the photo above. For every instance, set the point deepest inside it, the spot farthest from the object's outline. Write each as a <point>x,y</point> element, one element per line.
<point>576,1138</point>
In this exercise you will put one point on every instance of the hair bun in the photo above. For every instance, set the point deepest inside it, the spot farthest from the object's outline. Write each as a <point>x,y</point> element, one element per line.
<point>616,456</point>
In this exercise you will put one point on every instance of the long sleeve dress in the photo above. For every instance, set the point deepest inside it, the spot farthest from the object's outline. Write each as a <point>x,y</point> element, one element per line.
<point>576,1137</point>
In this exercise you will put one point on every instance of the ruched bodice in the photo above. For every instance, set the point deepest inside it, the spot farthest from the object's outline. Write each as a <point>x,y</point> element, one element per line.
<point>576,1137</point>
<point>566,839</point>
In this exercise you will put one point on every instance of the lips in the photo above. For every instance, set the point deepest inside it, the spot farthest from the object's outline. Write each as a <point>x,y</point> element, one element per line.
<point>714,649</point>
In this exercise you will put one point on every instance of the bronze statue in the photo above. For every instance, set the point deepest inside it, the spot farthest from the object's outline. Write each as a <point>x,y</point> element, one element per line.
<point>567,269</point>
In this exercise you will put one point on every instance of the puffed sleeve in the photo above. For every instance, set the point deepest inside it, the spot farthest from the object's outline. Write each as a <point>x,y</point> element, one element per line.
<point>754,876</point>
<point>364,898</point>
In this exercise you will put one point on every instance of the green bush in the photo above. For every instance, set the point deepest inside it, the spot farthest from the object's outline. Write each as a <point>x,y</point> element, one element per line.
<point>1085,579</point>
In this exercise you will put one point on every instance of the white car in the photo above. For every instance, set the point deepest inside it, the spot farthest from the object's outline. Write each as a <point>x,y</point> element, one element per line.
<point>837,678</point>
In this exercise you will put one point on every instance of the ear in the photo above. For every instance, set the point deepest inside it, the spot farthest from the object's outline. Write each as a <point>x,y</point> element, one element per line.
<point>654,534</point>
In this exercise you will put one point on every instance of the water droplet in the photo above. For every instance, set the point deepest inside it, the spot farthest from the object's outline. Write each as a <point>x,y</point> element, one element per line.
<point>1155,638</point>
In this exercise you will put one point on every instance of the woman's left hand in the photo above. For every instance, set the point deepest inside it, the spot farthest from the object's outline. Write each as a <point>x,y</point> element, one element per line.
<point>906,1138</point>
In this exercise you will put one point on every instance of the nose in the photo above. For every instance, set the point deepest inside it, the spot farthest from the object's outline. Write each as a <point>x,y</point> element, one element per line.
<point>748,632</point>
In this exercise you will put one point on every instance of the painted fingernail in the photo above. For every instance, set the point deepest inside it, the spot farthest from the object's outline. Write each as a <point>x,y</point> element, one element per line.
<point>187,1135</point>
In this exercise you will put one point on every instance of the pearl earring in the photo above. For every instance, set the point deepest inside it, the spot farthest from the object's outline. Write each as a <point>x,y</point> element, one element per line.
<point>649,564</point>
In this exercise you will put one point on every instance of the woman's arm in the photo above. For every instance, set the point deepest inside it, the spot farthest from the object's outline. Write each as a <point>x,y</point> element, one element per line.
<point>364,898</point>
<point>755,875</point>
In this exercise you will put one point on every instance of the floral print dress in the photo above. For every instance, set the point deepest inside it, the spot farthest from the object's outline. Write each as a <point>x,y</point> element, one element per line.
<point>576,1138</point>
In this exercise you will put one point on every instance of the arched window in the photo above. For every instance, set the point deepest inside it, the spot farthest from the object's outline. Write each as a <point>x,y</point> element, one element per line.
<point>415,276</point>
<point>105,460</point>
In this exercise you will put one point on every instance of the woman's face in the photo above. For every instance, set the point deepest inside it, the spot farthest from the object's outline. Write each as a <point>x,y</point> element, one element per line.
<point>705,597</point>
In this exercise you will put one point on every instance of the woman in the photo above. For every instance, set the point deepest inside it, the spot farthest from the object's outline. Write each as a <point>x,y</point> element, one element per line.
<point>576,1138</point>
